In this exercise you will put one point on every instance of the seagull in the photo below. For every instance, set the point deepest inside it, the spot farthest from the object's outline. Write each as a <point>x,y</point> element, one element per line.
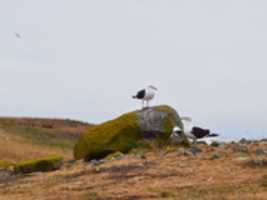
<point>17,35</point>
<point>146,95</point>
<point>190,132</point>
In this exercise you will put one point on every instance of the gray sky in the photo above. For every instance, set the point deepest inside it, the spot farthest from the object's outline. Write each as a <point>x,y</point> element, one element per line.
<point>84,59</point>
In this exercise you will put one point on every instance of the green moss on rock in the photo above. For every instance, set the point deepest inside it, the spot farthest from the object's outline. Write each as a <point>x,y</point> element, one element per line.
<point>39,165</point>
<point>120,134</point>
<point>6,164</point>
<point>126,131</point>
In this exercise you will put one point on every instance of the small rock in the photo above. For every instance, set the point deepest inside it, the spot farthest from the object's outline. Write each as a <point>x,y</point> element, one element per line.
<point>263,140</point>
<point>257,163</point>
<point>96,162</point>
<point>193,151</point>
<point>241,148</point>
<point>215,156</point>
<point>246,141</point>
<point>6,175</point>
<point>260,152</point>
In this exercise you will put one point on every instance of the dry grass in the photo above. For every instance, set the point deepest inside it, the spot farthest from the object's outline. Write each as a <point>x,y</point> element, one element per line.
<point>162,175</point>
<point>28,138</point>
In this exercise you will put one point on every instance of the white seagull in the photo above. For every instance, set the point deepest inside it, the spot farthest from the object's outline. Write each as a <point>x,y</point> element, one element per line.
<point>146,95</point>
<point>192,132</point>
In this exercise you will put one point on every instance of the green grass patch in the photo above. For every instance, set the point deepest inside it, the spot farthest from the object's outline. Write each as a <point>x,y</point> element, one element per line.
<point>40,136</point>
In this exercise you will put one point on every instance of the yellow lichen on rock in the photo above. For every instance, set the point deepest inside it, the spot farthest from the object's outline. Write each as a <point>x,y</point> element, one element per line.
<point>6,164</point>
<point>118,134</point>
<point>39,165</point>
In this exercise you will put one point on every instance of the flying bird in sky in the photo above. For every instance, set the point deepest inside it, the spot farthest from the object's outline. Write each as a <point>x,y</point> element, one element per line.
<point>146,95</point>
<point>17,35</point>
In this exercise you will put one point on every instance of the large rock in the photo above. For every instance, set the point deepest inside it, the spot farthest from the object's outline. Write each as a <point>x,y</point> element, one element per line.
<point>123,133</point>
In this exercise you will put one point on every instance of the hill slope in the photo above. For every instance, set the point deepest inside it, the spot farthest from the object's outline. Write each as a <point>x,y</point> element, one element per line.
<point>27,138</point>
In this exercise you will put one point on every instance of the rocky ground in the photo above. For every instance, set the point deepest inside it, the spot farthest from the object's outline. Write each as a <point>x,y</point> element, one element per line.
<point>228,171</point>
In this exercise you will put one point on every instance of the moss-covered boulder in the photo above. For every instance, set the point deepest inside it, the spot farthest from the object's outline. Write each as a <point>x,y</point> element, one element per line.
<point>39,165</point>
<point>123,133</point>
<point>6,164</point>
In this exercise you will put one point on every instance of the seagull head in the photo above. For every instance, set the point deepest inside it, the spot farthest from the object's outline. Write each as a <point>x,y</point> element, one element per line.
<point>177,129</point>
<point>152,87</point>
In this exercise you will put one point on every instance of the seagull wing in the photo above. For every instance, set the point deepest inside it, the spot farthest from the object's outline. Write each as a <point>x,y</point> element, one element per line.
<point>187,122</point>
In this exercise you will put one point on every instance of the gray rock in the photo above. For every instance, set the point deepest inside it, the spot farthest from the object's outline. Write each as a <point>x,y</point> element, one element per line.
<point>260,152</point>
<point>96,162</point>
<point>215,156</point>
<point>240,148</point>
<point>150,120</point>
<point>193,151</point>
<point>125,132</point>
<point>176,138</point>
<point>258,163</point>
<point>6,175</point>
<point>246,141</point>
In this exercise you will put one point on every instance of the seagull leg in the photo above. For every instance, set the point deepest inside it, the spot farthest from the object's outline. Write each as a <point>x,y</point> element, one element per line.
<point>143,104</point>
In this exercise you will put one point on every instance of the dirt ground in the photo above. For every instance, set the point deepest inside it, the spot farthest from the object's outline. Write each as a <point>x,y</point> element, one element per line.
<point>231,171</point>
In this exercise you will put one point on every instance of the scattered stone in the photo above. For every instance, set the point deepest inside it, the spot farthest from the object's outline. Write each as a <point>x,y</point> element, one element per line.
<point>193,151</point>
<point>241,148</point>
<point>215,156</point>
<point>176,139</point>
<point>260,152</point>
<point>6,175</point>
<point>243,141</point>
<point>96,162</point>
<point>258,163</point>
<point>264,140</point>
<point>246,141</point>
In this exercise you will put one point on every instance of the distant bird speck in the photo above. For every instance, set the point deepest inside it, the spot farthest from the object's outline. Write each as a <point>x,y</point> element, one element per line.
<point>17,35</point>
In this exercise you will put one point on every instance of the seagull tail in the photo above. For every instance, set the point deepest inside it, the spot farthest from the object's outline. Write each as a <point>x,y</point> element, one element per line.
<point>213,135</point>
<point>134,97</point>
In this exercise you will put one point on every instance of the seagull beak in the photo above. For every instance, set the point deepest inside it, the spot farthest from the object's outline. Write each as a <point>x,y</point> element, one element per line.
<point>155,88</point>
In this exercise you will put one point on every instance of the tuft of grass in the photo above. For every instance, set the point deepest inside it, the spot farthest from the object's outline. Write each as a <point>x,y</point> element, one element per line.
<point>90,194</point>
<point>166,194</point>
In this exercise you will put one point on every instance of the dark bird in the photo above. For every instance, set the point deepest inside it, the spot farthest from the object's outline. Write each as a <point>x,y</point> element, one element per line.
<point>194,132</point>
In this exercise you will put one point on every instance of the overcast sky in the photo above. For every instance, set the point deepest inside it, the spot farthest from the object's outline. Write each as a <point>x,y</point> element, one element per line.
<point>84,59</point>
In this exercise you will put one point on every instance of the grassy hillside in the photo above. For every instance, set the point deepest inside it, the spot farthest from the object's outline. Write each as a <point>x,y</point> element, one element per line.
<point>27,138</point>
<point>236,172</point>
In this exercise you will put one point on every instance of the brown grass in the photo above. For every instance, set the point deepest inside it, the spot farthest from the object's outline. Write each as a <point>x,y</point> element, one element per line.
<point>162,175</point>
